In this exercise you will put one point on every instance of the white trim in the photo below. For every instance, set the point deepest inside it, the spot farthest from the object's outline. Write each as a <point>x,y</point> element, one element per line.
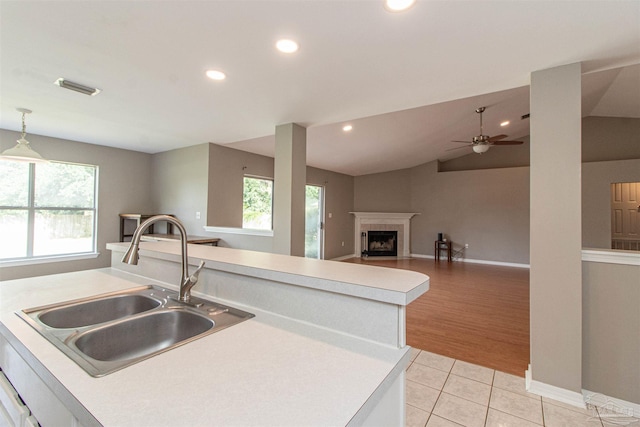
<point>504,264</point>
<point>422,256</point>
<point>552,392</point>
<point>603,401</point>
<point>342,258</point>
<point>611,256</point>
<point>235,230</point>
<point>479,261</point>
<point>385,215</point>
<point>384,258</point>
<point>49,259</point>
<point>400,219</point>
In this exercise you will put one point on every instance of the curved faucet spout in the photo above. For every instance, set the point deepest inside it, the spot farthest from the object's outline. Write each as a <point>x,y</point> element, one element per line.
<point>186,282</point>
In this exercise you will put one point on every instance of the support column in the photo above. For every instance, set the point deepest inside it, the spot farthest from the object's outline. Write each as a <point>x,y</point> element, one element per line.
<point>290,179</point>
<point>556,234</point>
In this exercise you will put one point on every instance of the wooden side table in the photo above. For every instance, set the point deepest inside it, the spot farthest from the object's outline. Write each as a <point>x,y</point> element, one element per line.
<point>139,218</point>
<point>440,245</point>
<point>197,240</point>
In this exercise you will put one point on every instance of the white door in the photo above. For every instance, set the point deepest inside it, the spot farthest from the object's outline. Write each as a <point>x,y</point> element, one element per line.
<point>625,216</point>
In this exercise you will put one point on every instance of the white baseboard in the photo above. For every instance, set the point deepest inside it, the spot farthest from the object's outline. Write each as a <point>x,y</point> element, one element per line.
<point>474,261</point>
<point>552,392</point>
<point>342,258</point>
<point>422,256</point>
<point>608,407</point>
<point>478,261</point>
<point>615,407</point>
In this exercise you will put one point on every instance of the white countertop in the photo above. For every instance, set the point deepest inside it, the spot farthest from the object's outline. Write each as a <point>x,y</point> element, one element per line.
<point>269,370</point>
<point>388,285</point>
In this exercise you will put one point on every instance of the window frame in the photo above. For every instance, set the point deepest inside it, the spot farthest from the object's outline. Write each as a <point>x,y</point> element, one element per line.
<point>31,210</point>
<point>263,178</point>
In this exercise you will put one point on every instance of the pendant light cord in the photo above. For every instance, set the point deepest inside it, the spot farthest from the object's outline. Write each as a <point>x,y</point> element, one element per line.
<point>24,126</point>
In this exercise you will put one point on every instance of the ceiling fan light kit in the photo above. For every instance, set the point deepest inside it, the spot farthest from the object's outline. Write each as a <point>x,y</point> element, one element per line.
<point>481,148</point>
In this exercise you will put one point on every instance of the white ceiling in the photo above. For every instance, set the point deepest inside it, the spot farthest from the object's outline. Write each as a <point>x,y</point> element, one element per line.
<point>408,82</point>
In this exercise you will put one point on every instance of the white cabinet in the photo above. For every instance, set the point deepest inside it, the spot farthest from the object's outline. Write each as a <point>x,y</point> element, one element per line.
<point>22,384</point>
<point>13,412</point>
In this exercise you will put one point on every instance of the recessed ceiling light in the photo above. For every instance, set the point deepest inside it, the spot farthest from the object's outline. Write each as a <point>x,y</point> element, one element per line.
<point>398,5</point>
<point>505,123</point>
<point>287,46</point>
<point>216,75</point>
<point>347,128</point>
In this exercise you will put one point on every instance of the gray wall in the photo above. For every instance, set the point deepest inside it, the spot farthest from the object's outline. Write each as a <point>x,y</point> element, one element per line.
<point>180,181</point>
<point>468,197</point>
<point>339,193</point>
<point>383,192</point>
<point>209,178</point>
<point>555,278</point>
<point>610,138</point>
<point>597,178</point>
<point>488,209</point>
<point>227,168</point>
<point>611,321</point>
<point>124,184</point>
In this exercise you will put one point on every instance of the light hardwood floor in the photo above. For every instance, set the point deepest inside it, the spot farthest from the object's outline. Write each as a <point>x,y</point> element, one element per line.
<point>473,312</point>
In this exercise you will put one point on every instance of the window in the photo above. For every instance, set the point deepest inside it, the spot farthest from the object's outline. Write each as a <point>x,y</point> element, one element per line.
<point>47,209</point>
<point>257,203</point>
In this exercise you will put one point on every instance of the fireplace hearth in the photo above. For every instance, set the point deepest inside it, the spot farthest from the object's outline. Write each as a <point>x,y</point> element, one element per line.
<point>382,243</point>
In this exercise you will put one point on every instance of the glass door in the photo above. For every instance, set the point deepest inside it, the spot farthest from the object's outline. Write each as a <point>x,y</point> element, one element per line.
<point>314,222</point>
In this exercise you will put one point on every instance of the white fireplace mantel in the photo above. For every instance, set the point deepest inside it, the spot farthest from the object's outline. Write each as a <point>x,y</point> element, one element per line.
<point>401,219</point>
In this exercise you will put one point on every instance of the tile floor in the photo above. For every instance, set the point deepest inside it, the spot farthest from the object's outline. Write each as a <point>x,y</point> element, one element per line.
<point>444,392</point>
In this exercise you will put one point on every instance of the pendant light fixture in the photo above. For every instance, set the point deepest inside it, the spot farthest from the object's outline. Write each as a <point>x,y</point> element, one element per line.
<point>22,151</point>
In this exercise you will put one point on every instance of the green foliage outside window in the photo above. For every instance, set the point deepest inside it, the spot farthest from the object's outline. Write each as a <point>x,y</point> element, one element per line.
<point>257,204</point>
<point>312,221</point>
<point>47,209</point>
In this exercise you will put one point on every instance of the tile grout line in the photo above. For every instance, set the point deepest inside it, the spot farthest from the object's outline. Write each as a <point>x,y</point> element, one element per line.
<point>486,414</point>
<point>493,386</point>
<point>438,398</point>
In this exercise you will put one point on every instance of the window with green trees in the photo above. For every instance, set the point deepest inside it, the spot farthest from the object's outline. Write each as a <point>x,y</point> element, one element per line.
<point>257,203</point>
<point>47,209</point>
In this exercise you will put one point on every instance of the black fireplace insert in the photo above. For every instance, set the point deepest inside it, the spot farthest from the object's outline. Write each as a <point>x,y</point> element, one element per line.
<point>382,243</point>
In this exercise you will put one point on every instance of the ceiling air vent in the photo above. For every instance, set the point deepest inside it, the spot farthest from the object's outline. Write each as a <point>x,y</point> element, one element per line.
<point>91,91</point>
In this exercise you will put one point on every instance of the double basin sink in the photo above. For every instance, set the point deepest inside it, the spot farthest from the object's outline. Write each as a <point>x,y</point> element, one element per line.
<point>111,331</point>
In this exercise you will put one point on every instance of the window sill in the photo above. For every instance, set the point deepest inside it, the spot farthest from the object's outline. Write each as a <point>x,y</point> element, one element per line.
<point>48,259</point>
<point>244,231</point>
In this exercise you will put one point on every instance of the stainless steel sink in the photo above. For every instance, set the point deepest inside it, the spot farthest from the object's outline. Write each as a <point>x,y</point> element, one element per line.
<point>142,335</point>
<point>101,310</point>
<point>109,332</point>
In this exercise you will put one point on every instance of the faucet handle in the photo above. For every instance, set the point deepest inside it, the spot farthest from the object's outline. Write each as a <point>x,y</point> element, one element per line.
<point>194,277</point>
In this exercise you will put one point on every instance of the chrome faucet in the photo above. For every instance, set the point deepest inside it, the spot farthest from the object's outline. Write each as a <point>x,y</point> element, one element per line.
<point>186,281</point>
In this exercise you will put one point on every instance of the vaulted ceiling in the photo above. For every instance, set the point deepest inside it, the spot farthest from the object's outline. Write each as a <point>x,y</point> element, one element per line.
<point>407,82</point>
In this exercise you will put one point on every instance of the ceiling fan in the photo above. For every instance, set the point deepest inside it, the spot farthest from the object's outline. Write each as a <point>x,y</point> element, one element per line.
<point>481,143</point>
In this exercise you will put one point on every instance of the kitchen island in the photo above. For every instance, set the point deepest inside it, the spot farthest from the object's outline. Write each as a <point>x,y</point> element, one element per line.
<point>326,346</point>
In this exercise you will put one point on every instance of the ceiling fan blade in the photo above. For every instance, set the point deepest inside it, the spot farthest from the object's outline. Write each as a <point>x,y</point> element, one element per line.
<point>497,138</point>
<point>464,142</point>
<point>507,142</point>
<point>457,148</point>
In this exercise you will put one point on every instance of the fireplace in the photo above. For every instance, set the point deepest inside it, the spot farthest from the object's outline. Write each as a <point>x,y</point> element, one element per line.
<point>383,221</point>
<point>382,243</point>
